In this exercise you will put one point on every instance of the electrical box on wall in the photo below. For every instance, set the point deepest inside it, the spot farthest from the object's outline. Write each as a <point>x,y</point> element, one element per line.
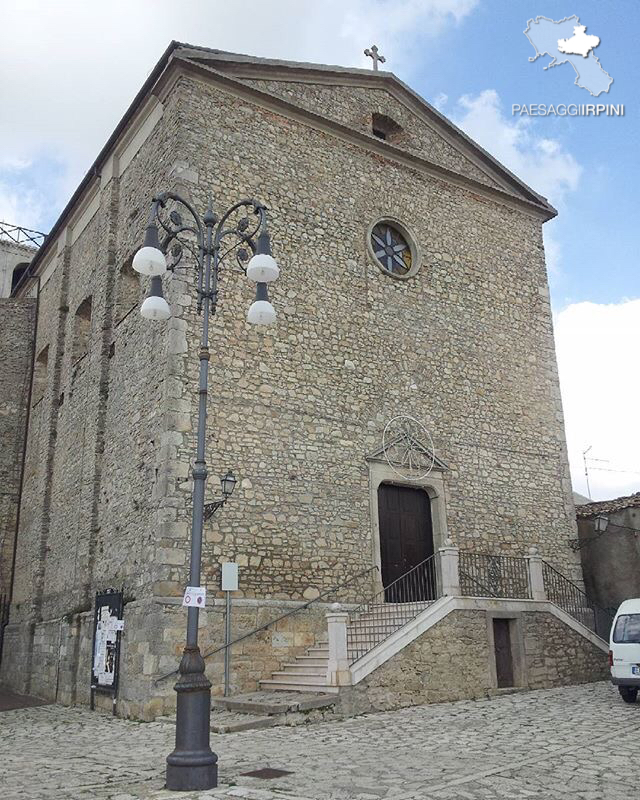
<point>229,577</point>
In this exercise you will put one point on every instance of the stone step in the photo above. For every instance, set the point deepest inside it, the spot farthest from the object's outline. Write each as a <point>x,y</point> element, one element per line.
<point>291,685</point>
<point>312,661</point>
<point>306,669</point>
<point>319,679</point>
<point>223,721</point>
<point>318,652</point>
<point>261,703</point>
<point>231,722</point>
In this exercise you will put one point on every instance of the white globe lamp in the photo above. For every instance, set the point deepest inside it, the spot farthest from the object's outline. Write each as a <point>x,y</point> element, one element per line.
<point>263,268</point>
<point>262,313</point>
<point>155,306</point>
<point>150,260</point>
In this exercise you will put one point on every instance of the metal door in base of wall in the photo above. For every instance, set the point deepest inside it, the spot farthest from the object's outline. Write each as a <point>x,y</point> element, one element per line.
<point>503,652</point>
<point>406,540</point>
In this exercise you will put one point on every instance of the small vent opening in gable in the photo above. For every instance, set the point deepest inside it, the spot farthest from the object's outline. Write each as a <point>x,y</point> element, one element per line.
<point>384,127</point>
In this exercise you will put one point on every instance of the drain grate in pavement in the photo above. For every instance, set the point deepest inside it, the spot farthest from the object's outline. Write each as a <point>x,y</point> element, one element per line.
<point>267,772</point>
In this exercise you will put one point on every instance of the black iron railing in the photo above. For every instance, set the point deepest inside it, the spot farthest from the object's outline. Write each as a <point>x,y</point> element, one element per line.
<point>487,575</point>
<point>392,607</point>
<point>571,599</point>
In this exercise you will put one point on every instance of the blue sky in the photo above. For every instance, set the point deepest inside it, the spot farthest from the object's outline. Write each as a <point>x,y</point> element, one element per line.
<point>598,224</point>
<point>70,69</point>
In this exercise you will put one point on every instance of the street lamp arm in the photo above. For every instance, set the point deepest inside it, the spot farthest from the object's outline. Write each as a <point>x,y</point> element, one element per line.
<point>243,232</point>
<point>257,207</point>
<point>211,508</point>
<point>174,227</point>
<point>160,201</point>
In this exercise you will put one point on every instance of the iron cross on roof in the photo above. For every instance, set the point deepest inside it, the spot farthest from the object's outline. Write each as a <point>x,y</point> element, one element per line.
<point>373,54</point>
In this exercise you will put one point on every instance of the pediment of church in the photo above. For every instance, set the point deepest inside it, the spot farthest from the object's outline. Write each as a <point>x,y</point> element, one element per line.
<point>405,451</point>
<point>355,97</point>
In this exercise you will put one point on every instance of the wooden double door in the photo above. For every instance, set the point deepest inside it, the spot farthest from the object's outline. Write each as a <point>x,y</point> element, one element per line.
<point>406,540</point>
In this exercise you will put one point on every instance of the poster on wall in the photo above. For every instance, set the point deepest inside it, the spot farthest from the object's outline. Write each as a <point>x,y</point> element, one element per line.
<point>108,625</point>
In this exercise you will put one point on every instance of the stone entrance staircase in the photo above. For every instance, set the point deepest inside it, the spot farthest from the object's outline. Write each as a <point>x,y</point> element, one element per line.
<point>307,673</point>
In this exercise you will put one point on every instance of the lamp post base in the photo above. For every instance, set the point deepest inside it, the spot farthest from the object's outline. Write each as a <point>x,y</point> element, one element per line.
<point>192,765</point>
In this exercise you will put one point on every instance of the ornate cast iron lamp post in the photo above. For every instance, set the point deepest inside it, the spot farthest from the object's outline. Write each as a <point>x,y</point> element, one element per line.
<point>193,765</point>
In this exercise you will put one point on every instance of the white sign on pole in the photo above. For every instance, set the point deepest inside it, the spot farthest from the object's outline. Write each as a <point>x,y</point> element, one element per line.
<point>195,596</point>
<point>229,577</point>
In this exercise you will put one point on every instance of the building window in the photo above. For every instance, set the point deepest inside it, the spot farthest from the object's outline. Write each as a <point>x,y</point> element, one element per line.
<point>393,249</point>
<point>40,375</point>
<point>385,128</point>
<point>82,329</point>
<point>128,290</point>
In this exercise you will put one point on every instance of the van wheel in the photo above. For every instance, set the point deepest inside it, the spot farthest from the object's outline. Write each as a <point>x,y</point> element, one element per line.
<point>628,694</point>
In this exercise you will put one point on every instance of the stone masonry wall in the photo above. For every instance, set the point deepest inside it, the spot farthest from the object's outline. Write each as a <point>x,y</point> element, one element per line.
<point>94,497</point>
<point>354,106</point>
<point>151,647</point>
<point>95,457</point>
<point>17,321</point>
<point>558,656</point>
<point>451,661</point>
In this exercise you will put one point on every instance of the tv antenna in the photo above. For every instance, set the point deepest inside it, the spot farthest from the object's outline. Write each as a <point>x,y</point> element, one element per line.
<point>586,469</point>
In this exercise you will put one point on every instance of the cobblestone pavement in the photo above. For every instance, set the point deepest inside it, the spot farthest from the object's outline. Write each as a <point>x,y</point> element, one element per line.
<point>577,742</point>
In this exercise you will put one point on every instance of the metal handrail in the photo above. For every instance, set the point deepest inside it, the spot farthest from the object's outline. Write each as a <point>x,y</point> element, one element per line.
<point>574,601</point>
<point>392,607</point>
<point>277,619</point>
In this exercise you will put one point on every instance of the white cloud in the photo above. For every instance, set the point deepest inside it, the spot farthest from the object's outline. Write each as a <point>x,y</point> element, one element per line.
<point>597,348</point>
<point>538,160</point>
<point>396,25</point>
<point>440,101</point>
<point>71,67</point>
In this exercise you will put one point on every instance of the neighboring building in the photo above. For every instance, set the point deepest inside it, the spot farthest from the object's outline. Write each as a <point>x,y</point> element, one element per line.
<point>580,499</point>
<point>609,544</point>
<point>456,333</point>
<point>17,248</point>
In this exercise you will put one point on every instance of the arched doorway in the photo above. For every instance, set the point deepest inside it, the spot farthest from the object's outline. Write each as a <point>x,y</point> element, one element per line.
<point>406,540</point>
<point>18,272</point>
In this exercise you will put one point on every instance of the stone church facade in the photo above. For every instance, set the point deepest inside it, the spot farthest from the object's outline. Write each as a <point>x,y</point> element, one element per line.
<point>462,342</point>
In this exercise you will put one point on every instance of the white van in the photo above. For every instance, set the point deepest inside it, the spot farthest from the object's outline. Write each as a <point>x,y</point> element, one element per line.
<point>624,650</point>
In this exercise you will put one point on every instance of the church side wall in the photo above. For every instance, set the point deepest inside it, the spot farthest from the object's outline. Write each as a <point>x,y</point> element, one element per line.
<point>17,320</point>
<point>95,479</point>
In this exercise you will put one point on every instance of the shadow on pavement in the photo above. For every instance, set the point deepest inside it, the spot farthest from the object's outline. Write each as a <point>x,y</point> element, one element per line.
<point>9,701</point>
